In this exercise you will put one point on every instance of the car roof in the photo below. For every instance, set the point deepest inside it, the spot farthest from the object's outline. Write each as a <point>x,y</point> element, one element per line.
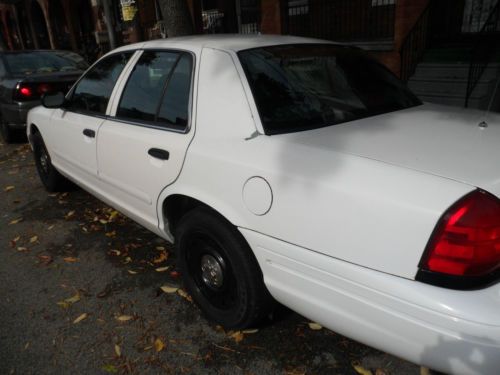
<point>227,42</point>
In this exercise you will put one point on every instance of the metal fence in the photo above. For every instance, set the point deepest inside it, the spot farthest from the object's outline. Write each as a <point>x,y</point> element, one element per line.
<point>347,20</point>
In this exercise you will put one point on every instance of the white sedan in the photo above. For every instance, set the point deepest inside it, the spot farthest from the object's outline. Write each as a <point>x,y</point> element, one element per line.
<point>299,171</point>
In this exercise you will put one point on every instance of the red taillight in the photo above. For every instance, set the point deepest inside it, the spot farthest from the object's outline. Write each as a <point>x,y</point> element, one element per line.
<point>43,88</point>
<point>25,91</point>
<point>466,241</point>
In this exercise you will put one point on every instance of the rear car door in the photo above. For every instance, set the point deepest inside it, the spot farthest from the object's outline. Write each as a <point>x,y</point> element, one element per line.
<point>75,126</point>
<point>142,144</point>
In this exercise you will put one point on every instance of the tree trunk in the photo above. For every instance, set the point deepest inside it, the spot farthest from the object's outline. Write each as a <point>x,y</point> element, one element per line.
<point>176,17</point>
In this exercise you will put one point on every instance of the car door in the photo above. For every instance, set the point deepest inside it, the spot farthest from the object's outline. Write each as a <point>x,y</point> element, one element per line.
<point>74,127</point>
<point>142,145</point>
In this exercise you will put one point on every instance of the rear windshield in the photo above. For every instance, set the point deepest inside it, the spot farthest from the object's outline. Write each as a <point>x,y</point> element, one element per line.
<point>26,63</point>
<point>307,86</point>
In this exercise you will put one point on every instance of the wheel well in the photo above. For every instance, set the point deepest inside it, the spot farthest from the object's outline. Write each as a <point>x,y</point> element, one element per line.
<point>176,206</point>
<point>34,129</point>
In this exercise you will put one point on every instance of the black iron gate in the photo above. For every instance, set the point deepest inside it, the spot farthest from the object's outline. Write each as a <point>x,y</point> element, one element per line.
<point>348,20</point>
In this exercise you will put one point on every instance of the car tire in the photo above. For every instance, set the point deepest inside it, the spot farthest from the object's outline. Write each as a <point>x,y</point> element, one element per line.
<point>220,271</point>
<point>49,175</point>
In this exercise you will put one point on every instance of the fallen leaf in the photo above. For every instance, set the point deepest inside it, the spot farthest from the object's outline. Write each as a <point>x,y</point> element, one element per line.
<point>69,301</point>
<point>162,269</point>
<point>112,215</point>
<point>69,214</point>
<point>161,258</point>
<point>80,318</point>
<point>315,326</point>
<point>118,351</point>
<point>250,331</point>
<point>184,295</point>
<point>132,272</point>
<point>70,259</point>
<point>17,239</point>
<point>159,345</point>
<point>109,368</point>
<point>102,221</point>
<point>124,318</point>
<point>9,188</point>
<point>424,371</point>
<point>45,259</point>
<point>238,336</point>
<point>160,248</point>
<point>380,371</point>
<point>27,345</point>
<point>15,221</point>
<point>110,234</point>
<point>50,227</point>
<point>115,252</point>
<point>174,274</point>
<point>361,370</point>
<point>33,239</point>
<point>169,289</point>
<point>22,249</point>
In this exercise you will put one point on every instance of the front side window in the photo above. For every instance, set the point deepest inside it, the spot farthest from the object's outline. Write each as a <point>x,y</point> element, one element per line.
<point>158,90</point>
<point>92,93</point>
<point>307,86</point>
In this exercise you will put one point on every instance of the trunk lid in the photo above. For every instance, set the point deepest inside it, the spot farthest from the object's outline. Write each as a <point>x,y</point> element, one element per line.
<point>439,140</point>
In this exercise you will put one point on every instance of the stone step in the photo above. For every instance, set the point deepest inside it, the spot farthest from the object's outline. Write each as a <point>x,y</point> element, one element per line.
<point>447,86</point>
<point>480,103</point>
<point>452,71</point>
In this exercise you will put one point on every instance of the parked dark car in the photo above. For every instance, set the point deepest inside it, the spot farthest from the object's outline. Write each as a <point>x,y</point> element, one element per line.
<point>25,76</point>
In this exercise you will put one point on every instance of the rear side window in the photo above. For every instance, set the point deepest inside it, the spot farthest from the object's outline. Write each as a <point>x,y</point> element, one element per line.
<point>158,90</point>
<point>92,93</point>
<point>307,86</point>
<point>175,104</point>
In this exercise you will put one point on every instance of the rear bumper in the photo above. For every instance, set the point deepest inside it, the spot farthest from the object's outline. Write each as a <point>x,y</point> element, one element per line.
<point>446,330</point>
<point>15,114</point>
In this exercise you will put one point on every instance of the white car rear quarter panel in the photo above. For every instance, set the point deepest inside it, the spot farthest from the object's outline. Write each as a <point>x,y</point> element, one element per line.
<point>352,208</point>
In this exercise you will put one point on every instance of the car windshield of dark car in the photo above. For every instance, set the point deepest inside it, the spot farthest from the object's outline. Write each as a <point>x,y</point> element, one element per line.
<point>306,86</point>
<point>25,63</point>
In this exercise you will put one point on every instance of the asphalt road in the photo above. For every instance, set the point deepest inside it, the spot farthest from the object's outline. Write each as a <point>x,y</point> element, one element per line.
<point>80,293</point>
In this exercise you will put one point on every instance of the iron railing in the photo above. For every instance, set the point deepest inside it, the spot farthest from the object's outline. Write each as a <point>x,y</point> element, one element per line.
<point>413,46</point>
<point>484,49</point>
<point>343,20</point>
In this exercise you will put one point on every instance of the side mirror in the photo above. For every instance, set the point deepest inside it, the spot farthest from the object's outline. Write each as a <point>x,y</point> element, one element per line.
<point>53,100</point>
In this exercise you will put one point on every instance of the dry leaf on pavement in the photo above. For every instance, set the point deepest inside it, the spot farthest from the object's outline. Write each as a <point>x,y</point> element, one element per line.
<point>315,326</point>
<point>80,318</point>
<point>361,370</point>
<point>118,351</point>
<point>169,289</point>
<point>184,295</point>
<point>162,269</point>
<point>159,345</point>
<point>124,318</point>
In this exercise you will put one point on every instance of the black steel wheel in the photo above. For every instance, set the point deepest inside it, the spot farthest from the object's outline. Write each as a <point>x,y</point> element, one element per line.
<point>50,177</point>
<point>220,271</point>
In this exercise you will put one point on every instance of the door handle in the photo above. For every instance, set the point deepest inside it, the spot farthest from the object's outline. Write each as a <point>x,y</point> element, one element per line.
<point>158,153</point>
<point>89,133</point>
